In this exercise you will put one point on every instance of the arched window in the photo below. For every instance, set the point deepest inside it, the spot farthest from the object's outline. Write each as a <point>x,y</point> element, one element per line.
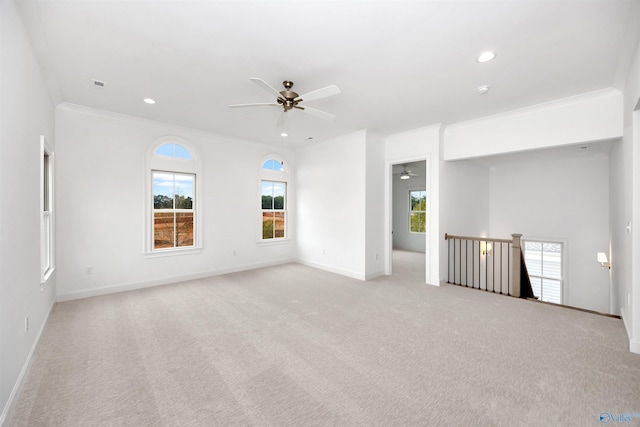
<point>173,194</point>
<point>273,199</point>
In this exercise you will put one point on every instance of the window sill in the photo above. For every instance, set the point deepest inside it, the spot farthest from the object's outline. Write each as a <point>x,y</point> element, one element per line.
<point>172,252</point>
<point>271,242</point>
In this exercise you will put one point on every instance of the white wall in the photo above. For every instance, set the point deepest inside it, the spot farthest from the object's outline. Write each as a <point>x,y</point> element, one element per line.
<point>404,147</point>
<point>625,202</point>
<point>559,196</point>
<point>101,175</point>
<point>402,237</point>
<point>331,204</point>
<point>464,207</point>
<point>374,213</point>
<point>26,112</point>
<point>594,116</point>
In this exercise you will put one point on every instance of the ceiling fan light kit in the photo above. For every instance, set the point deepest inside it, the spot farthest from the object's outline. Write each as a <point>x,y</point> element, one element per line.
<point>406,173</point>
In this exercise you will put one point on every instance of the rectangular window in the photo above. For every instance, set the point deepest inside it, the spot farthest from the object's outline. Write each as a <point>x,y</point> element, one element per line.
<point>46,208</point>
<point>544,264</point>
<point>274,211</point>
<point>173,210</point>
<point>417,211</point>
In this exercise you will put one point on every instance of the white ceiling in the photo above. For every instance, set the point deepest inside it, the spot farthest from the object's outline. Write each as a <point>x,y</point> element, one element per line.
<point>400,64</point>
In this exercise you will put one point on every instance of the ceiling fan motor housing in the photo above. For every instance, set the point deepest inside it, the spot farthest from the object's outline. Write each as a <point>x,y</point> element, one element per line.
<point>289,96</point>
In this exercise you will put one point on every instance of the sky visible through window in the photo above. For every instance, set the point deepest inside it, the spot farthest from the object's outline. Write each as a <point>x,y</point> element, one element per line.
<point>272,164</point>
<point>173,150</point>
<point>170,184</point>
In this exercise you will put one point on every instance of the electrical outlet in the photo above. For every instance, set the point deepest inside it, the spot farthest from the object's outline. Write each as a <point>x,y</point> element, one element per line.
<point>26,324</point>
<point>376,257</point>
<point>234,252</point>
<point>324,252</point>
<point>88,270</point>
<point>628,299</point>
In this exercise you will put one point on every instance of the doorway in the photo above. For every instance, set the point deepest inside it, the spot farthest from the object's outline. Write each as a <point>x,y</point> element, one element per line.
<point>408,220</point>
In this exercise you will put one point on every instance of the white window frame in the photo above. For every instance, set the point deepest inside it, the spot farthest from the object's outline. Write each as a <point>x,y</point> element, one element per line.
<point>281,176</point>
<point>176,211</point>
<point>563,264</point>
<point>158,163</point>
<point>47,212</point>
<point>417,211</point>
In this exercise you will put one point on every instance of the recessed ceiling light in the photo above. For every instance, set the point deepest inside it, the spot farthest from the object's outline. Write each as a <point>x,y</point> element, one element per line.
<point>483,89</point>
<point>486,56</point>
<point>284,134</point>
<point>149,101</point>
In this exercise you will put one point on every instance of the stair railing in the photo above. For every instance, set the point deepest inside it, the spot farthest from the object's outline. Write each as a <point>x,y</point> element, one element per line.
<point>489,264</point>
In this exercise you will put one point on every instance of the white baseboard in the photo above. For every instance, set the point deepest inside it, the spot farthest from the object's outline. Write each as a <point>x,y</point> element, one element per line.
<point>372,276</point>
<point>124,287</point>
<point>330,269</point>
<point>17,387</point>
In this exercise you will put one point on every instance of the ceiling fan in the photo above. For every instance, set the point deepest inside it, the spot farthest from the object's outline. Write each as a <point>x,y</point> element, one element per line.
<point>406,173</point>
<point>288,99</point>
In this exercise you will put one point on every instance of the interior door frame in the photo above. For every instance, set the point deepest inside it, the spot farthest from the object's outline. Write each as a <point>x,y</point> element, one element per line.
<point>388,252</point>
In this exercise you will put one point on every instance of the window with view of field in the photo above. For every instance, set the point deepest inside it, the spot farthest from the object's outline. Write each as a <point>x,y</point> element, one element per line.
<point>417,211</point>
<point>172,219</point>
<point>273,209</point>
<point>173,210</point>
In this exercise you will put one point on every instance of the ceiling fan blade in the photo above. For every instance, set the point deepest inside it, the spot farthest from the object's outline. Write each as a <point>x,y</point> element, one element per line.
<point>266,86</point>
<point>318,113</point>
<point>320,93</point>
<point>261,104</point>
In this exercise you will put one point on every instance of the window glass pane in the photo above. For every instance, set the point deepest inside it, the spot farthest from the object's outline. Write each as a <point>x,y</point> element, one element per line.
<point>181,152</point>
<point>533,257</point>
<point>272,164</point>
<point>163,190</point>
<point>184,229</point>
<point>551,291</point>
<point>184,191</point>
<point>416,221</point>
<point>418,200</point>
<point>268,225</point>
<point>278,224</point>
<point>552,260</point>
<point>267,195</point>
<point>278,195</point>
<point>163,230</point>
<point>45,184</point>
<point>165,150</point>
<point>532,246</point>
<point>173,150</point>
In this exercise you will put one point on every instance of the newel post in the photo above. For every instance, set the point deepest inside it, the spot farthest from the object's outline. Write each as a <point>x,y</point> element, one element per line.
<point>515,265</point>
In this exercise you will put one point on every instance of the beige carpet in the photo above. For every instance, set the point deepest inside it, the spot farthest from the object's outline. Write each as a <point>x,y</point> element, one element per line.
<point>294,346</point>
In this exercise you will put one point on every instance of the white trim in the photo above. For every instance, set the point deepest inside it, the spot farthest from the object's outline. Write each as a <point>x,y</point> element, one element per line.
<point>177,166</point>
<point>261,211</point>
<point>566,295</point>
<point>124,287</point>
<point>47,234</point>
<point>17,387</point>
<point>429,234</point>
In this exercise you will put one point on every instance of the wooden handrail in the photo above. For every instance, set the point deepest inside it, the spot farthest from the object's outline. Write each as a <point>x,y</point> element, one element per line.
<point>482,239</point>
